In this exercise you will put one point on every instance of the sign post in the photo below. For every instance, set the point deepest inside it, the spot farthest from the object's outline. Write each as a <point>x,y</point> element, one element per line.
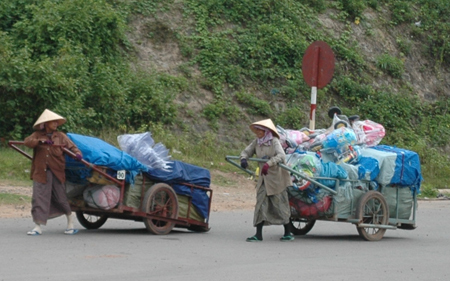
<point>318,69</point>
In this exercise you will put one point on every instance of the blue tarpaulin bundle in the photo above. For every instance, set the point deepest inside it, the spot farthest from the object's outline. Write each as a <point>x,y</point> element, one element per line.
<point>179,173</point>
<point>101,153</point>
<point>397,166</point>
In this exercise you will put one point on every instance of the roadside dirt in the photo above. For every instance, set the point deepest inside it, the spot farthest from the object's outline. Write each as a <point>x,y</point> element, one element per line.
<point>231,191</point>
<point>17,210</point>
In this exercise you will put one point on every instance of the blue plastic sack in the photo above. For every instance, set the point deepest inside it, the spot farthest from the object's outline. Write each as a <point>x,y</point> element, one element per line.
<point>332,170</point>
<point>368,168</point>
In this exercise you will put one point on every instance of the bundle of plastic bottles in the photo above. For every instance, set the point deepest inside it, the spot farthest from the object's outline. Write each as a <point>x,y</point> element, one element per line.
<point>143,148</point>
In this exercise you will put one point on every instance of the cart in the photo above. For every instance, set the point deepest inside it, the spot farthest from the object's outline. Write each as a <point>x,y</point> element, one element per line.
<point>366,207</point>
<point>160,207</point>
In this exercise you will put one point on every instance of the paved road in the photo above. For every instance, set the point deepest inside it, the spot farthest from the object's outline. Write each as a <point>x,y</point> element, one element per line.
<point>122,250</point>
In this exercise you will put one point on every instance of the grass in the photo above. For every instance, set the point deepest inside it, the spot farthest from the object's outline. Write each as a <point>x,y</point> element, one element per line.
<point>428,191</point>
<point>14,171</point>
<point>14,167</point>
<point>13,199</point>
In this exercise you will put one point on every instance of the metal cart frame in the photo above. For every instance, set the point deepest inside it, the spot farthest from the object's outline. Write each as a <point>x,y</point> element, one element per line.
<point>370,215</point>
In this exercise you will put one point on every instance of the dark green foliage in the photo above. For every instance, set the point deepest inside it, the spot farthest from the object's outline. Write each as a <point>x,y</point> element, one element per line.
<point>434,16</point>
<point>402,12</point>
<point>391,110</point>
<point>352,89</point>
<point>354,8</point>
<point>151,98</point>
<point>255,105</point>
<point>221,107</point>
<point>294,117</point>
<point>266,39</point>
<point>373,4</point>
<point>68,56</point>
<point>317,5</point>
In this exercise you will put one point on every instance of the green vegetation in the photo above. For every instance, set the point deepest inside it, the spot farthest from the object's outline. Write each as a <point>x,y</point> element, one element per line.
<point>13,199</point>
<point>76,58</point>
<point>14,166</point>
<point>428,191</point>
<point>391,65</point>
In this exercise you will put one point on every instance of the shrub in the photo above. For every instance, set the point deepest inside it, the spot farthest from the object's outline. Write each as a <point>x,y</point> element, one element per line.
<point>390,65</point>
<point>352,89</point>
<point>255,105</point>
<point>354,8</point>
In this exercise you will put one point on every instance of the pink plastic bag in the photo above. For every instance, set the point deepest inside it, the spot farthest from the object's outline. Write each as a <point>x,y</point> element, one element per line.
<point>295,137</point>
<point>368,132</point>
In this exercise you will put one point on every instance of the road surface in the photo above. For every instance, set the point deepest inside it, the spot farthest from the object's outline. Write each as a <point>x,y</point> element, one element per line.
<point>123,250</point>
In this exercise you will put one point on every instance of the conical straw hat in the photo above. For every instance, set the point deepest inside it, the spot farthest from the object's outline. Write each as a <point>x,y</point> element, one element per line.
<point>267,123</point>
<point>49,115</point>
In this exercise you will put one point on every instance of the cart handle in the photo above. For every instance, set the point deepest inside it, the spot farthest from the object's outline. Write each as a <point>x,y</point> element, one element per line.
<point>229,159</point>
<point>13,144</point>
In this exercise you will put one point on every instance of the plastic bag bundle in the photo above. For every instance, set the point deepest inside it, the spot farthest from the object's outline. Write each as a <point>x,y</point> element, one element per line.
<point>340,139</point>
<point>302,205</point>
<point>316,143</point>
<point>351,156</point>
<point>305,163</point>
<point>368,132</point>
<point>143,148</point>
<point>291,138</point>
<point>102,197</point>
<point>131,143</point>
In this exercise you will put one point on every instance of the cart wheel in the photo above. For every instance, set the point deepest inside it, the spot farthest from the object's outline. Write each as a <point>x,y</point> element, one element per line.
<point>91,221</point>
<point>160,200</point>
<point>301,226</point>
<point>372,209</point>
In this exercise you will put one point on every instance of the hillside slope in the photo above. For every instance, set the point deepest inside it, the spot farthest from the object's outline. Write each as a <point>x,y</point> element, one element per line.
<point>156,42</point>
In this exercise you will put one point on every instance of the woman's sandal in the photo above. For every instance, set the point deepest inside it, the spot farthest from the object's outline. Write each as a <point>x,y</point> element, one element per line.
<point>253,239</point>
<point>287,238</point>
<point>33,233</point>
<point>71,231</point>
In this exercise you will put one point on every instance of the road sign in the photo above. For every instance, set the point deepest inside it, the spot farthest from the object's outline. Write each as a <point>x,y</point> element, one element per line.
<point>318,69</point>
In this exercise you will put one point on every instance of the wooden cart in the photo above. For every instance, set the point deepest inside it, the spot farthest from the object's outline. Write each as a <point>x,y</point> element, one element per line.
<point>159,208</point>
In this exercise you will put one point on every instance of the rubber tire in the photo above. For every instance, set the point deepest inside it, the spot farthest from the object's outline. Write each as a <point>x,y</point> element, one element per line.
<point>303,227</point>
<point>91,221</point>
<point>373,209</point>
<point>353,118</point>
<point>334,110</point>
<point>336,126</point>
<point>160,200</point>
